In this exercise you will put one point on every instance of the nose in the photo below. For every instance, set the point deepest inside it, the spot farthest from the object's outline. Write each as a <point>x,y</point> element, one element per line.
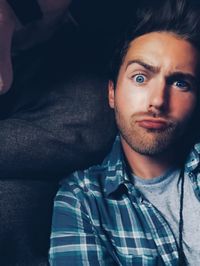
<point>158,96</point>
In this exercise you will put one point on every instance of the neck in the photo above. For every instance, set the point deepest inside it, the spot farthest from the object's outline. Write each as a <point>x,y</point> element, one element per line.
<point>148,166</point>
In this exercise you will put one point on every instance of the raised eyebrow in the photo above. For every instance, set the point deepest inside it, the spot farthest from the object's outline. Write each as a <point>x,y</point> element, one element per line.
<point>149,67</point>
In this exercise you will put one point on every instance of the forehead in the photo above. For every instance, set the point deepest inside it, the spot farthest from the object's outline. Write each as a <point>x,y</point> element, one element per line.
<point>163,49</point>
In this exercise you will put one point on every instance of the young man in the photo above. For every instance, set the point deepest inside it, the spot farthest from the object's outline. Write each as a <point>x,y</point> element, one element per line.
<point>141,205</point>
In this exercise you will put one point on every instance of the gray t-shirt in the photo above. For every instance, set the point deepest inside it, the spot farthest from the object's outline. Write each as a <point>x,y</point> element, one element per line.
<point>164,193</point>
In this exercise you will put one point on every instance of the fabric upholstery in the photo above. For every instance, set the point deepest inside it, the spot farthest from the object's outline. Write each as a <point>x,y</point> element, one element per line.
<point>55,119</point>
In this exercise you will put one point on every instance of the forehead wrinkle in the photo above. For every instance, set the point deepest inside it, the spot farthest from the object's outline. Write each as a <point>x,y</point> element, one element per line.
<point>179,69</point>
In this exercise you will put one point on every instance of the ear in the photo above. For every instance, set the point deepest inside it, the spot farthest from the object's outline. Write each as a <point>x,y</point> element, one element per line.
<point>111,94</point>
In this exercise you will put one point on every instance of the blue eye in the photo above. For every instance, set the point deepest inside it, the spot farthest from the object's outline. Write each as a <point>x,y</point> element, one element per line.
<point>182,84</point>
<point>139,78</point>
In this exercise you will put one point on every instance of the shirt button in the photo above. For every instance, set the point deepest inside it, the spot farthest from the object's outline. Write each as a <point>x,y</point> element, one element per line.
<point>190,174</point>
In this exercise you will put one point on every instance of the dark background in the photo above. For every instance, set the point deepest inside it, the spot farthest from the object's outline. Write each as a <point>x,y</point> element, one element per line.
<point>55,119</point>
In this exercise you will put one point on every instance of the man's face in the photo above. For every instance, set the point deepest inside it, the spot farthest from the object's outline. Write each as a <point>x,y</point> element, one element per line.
<point>156,90</point>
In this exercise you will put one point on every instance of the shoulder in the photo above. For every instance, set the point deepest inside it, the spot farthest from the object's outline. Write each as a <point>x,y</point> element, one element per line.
<point>81,184</point>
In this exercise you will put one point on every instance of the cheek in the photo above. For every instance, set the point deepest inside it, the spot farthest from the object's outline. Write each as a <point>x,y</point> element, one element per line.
<point>183,107</point>
<point>130,99</point>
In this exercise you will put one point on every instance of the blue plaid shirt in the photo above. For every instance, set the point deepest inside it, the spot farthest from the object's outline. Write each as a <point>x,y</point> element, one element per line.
<point>100,218</point>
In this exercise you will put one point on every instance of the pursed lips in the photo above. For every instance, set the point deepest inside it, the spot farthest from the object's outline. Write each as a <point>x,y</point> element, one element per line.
<point>153,123</point>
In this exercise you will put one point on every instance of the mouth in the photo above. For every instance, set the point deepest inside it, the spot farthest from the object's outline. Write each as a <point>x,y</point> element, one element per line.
<point>156,123</point>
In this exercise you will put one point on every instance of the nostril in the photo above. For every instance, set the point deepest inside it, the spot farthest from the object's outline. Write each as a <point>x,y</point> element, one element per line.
<point>157,104</point>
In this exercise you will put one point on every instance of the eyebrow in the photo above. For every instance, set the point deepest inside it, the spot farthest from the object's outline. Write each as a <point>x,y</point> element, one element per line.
<point>180,75</point>
<point>172,76</point>
<point>149,67</point>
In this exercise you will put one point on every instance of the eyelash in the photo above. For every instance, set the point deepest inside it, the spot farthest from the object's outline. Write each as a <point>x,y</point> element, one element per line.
<point>138,74</point>
<point>186,87</point>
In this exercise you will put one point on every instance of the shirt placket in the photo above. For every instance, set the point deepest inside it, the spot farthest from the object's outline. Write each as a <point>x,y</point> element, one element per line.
<point>158,227</point>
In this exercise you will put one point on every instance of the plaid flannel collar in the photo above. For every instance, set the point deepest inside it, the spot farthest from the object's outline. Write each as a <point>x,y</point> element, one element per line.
<point>116,171</point>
